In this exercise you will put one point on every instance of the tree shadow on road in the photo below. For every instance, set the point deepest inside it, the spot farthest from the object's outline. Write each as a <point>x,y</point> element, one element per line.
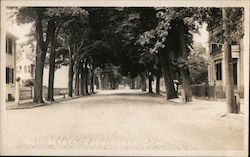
<point>132,94</point>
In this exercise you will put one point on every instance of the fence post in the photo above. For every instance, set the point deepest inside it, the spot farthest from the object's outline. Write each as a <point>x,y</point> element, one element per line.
<point>17,93</point>
<point>237,102</point>
<point>207,90</point>
<point>214,90</point>
<point>183,95</point>
<point>31,92</point>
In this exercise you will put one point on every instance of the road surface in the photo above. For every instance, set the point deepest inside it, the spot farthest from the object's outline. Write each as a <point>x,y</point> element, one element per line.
<point>123,120</point>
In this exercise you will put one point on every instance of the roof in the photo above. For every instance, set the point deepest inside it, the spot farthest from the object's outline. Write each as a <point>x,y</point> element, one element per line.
<point>11,35</point>
<point>23,57</point>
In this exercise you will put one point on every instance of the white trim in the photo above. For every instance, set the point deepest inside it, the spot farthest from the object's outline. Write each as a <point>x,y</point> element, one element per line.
<point>168,3</point>
<point>130,3</point>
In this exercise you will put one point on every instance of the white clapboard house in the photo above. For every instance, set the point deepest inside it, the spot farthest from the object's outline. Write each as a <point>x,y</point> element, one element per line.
<point>25,68</point>
<point>10,66</point>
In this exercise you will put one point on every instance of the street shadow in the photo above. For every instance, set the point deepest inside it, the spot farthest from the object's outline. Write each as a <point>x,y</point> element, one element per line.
<point>130,94</point>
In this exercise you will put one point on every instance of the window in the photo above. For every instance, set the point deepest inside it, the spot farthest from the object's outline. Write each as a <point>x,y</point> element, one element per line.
<point>216,48</point>
<point>9,75</point>
<point>18,69</point>
<point>11,80</point>
<point>218,69</point>
<point>28,69</point>
<point>25,69</point>
<point>9,46</point>
<point>235,73</point>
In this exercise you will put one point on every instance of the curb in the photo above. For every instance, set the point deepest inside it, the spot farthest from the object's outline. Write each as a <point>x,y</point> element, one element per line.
<point>33,105</point>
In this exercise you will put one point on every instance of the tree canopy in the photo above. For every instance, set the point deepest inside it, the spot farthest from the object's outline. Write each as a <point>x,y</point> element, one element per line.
<point>135,40</point>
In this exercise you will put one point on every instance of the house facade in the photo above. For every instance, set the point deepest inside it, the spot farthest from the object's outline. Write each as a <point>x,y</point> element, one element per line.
<point>10,66</point>
<point>216,69</point>
<point>24,68</point>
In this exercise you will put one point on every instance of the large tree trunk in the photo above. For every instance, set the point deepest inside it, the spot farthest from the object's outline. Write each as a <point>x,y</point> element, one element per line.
<point>51,77</point>
<point>92,81</point>
<point>143,82</point>
<point>86,77</point>
<point>97,82</point>
<point>38,88</point>
<point>100,82</point>
<point>157,85</point>
<point>167,75</point>
<point>150,79</point>
<point>52,58</point>
<point>185,74</point>
<point>106,81</point>
<point>71,72</point>
<point>187,95</point>
<point>231,106</point>
<point>158,77</point>
<point>82,81</point>
<point>41,50</point>
<point>77,78</point>
<point>132,83</point>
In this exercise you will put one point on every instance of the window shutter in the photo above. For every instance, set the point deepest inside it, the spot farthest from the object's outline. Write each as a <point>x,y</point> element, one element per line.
<point>12,75</point>
<point>7,75</point>
<point>10,45</point>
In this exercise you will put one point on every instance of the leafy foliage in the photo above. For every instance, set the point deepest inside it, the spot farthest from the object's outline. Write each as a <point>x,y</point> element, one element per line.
<point>29,83</point>
<point>131,38</point>
<point>235,22</point>
<point>198,62</point>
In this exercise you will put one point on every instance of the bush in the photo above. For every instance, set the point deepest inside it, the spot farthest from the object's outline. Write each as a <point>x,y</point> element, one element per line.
<point>29,83</point>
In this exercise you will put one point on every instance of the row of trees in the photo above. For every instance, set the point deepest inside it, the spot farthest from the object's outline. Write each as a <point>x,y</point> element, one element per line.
<point>145,42</point>
<point>172,41</point>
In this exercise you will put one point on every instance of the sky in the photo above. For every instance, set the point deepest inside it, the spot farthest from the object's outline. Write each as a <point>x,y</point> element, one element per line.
<point>21,30</point>
<point>202,37</point>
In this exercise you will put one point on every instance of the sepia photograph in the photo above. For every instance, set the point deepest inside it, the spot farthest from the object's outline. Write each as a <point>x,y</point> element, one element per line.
<point>126,78</point>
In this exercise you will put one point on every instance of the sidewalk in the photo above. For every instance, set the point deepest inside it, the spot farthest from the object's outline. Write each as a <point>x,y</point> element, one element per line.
<point>202,99</point>
<point>28,103</point>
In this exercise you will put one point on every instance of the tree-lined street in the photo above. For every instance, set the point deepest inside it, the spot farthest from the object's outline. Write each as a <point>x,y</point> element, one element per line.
<point>134,78</point>
<point>124,119</point>
<point>135,42</point>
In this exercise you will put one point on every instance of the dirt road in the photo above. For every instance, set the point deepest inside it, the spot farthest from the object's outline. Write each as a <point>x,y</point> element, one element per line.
<point>123,120</point>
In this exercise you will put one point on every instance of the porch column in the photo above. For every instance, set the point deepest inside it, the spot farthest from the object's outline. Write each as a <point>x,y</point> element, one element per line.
<point>17,93</point>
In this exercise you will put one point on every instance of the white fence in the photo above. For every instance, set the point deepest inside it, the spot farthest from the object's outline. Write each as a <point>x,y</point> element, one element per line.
<point>28,93</point>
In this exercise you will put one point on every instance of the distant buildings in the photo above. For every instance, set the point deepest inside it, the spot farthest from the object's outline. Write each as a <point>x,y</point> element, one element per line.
<point>61,77</point>
<point>10,66</point>
<point>24,68</point>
